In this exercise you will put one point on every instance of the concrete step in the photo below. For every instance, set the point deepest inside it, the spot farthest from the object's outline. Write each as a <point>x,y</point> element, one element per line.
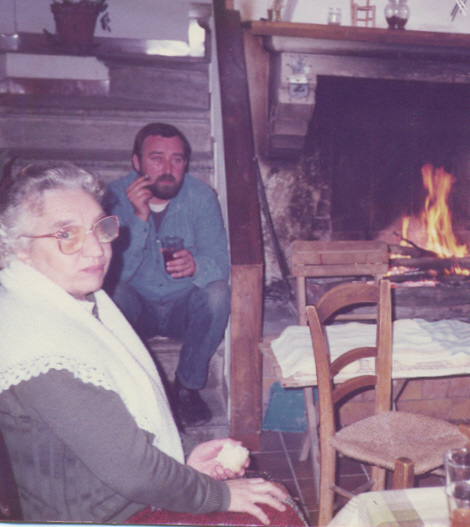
<point>166,355</point>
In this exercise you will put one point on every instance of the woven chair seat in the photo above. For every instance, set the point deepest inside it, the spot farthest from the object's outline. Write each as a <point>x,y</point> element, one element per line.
<point>381,439</point>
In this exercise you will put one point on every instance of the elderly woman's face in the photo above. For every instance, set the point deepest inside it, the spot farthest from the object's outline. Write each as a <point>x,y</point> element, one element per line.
<point>80,273</point>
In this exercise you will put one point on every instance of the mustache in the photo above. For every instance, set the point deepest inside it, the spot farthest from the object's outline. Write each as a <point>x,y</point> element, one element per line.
<point>165,177</point>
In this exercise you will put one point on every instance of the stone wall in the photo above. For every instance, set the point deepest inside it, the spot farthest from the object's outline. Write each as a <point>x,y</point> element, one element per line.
<point>299,203</point>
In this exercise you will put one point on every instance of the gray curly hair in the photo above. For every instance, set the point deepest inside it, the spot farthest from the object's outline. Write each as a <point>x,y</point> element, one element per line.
<point>24,194</point>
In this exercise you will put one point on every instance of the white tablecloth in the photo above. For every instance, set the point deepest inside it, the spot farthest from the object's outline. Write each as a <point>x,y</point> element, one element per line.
<point>423,507</point>
<point>420,348</point>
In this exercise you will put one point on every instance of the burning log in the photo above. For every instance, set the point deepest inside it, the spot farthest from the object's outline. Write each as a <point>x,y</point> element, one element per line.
<point>438,264</point>
<point>421,251</point>
<point>443,255</point>
<point>406,263</point>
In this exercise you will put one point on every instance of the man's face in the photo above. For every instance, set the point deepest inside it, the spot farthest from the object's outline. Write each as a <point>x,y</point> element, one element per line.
<point>164,163</point>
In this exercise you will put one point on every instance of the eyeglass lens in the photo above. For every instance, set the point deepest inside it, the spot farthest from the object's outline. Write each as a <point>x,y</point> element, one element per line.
<point>71,239</point>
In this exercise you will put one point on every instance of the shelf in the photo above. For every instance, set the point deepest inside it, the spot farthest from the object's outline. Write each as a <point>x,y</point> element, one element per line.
<point>359,34</point>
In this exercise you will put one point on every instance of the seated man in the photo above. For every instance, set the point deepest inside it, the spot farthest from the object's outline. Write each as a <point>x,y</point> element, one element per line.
<point>187,297</point>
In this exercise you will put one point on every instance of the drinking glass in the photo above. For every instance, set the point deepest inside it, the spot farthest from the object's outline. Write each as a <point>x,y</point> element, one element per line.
<point>457,469</point>
<point>171,245</point>
<point>334,16</point>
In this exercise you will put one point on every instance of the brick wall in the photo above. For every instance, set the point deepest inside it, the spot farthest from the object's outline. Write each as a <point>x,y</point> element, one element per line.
<point>444,398</point>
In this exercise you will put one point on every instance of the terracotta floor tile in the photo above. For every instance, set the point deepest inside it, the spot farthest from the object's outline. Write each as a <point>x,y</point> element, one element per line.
<point>274,464</point>
<point>270,442</point>
<point>302,469</point>
<point>313,517</point>
<point>351,482</point>
<point>293,440</point>
<point>308,493</point>
<point>351,466</point>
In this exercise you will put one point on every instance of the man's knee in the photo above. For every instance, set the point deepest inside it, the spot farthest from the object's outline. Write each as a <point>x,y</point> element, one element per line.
<point>218,296</point>
<point>212,300</point>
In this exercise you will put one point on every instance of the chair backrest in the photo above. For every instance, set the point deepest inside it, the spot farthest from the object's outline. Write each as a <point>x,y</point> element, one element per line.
<point>336,299</point>
<point>319,259</point>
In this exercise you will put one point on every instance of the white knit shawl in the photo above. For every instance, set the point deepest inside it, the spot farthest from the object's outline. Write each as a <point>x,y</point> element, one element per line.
<point>42,327</point>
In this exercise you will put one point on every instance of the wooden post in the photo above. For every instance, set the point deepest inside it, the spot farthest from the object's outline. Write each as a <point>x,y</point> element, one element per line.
<point>245,233</point>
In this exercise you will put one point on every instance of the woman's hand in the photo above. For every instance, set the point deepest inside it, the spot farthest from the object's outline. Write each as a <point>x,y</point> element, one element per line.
<point>245,493</point>
<point>203,459</point>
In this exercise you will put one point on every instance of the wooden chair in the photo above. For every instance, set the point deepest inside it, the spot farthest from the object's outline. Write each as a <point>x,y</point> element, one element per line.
<point>362,14</point>
<point>321,259</point>
<point>317,259</point>
<point>405,443</point>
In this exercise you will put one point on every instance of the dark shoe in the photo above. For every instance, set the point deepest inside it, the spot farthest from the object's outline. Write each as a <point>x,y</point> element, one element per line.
<point>191,407</point>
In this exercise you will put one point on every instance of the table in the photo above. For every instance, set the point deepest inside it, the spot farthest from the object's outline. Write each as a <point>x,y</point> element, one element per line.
<point>420,349</point>
<point>420,507</point>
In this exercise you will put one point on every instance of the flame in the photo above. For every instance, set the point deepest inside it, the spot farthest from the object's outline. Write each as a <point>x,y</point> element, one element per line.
<point>436,219</point>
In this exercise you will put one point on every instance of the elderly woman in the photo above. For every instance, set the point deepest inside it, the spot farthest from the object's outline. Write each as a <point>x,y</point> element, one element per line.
<point>82,409</point>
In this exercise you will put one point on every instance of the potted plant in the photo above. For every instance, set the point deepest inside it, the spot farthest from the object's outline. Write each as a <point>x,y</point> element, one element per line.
<point>76,21</point>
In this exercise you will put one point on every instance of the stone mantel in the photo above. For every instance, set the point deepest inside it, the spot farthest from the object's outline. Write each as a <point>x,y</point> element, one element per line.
<point>300,53</point>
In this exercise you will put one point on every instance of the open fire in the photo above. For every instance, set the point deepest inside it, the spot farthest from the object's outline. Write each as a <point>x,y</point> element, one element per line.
<point>427,241</point>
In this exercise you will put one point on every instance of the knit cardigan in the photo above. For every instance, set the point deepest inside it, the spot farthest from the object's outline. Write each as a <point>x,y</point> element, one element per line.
<point>43,328</point>
<point>55,355</point>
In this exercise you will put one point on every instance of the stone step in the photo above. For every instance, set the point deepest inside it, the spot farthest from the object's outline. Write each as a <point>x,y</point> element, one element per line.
<point>96,128</point>
<point>97,139</point>
<point>97,131</point>
<point>166,355</point>
<point>171,83</point>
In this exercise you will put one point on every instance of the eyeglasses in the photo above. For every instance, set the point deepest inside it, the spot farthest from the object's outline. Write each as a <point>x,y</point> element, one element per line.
<point>71,238</point>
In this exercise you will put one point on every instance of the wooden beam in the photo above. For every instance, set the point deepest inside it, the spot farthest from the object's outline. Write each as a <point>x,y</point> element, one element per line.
<point>246,364</point>
<point>245,233</point>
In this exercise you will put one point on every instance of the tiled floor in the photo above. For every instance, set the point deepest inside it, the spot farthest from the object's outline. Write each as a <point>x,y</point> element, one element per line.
<point>279,457</point>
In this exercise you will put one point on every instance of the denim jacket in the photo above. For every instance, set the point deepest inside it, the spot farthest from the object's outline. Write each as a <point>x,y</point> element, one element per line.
<point>194,214</point>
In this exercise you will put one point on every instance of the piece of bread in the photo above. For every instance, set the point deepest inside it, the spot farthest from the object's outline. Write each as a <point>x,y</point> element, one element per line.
<point>233,457</point>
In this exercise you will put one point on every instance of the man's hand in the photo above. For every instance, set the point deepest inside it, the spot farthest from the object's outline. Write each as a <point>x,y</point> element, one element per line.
<point>182,265</point>
<point>245,493</point>
<point>139,195</point>
<point>203,459</point>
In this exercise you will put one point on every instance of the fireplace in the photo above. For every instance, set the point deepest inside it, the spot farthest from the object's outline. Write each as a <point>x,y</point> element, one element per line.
<point>361,111</point>
<point>374,137</point>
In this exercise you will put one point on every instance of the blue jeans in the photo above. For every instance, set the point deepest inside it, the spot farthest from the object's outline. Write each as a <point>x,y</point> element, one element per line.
<point>199,317</point>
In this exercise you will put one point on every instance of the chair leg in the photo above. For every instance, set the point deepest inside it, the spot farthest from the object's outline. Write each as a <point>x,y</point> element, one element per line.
<point>313,437</point>
<point>378,475</point>
<point>465,430</point>
<point>305,449</point>
<point>327,479</point>
<point>404,473</point>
